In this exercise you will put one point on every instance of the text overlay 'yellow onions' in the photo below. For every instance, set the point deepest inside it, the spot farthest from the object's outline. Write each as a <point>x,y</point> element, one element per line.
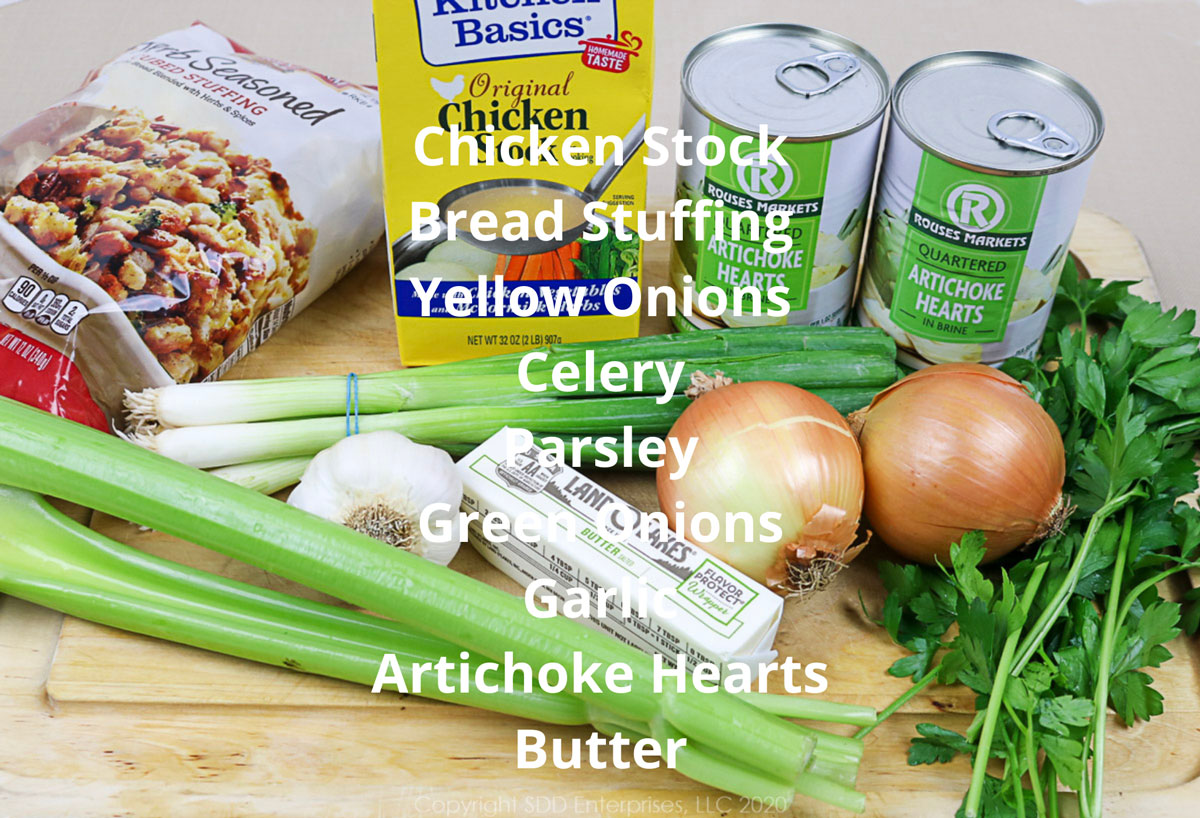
<point>956,448</point>
<point>767,447</point>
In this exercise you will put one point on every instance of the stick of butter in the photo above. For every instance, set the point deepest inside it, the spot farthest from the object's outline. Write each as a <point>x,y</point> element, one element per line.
<point>709,611</point>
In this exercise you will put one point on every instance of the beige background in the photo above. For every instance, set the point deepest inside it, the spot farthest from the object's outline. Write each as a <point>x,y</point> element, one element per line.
<point>1141,58</point>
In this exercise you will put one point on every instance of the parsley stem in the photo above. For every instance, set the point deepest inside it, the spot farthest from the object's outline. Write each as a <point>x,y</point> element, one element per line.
<point>1095,796</point>
<point>1051,789</point>
<point>1082,804</point>
<point>1031,758</point>
<point>1058,602</point>
<point>900,701</point>
<point>983,751</point>
<point>1141,587</point>
<point>1185,426</point>
<point>1025,728</point>
<point>974,727</point>
<point>1014,774</point>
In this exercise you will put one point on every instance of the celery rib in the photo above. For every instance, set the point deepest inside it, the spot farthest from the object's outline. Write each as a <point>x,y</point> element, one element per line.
<point>50,455</point>
<point>715,771</point>
<point>51,560</point>
<point>800,707</point>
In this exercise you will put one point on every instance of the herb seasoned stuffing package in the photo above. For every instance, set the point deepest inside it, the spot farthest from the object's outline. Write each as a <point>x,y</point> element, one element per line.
<point>170,215</point>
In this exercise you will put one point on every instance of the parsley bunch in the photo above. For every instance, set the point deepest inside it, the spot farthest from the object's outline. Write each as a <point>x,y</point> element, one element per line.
<point>1051,641</point>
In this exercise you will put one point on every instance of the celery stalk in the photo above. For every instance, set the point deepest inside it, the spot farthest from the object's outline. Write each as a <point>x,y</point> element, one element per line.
<point>49,559</point>
<point>800,707</point>
<point>49,455</point>
<point>832,792</point>
<point>709,768</point>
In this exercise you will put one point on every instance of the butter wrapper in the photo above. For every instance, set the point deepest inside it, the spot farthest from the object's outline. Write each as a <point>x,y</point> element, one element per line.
<point>711,612</point>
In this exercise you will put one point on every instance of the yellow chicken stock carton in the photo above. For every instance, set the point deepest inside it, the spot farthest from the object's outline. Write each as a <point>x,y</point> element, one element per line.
<point>512,132</point>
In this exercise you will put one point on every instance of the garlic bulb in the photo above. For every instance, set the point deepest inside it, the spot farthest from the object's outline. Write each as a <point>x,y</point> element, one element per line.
<point>379,483</point>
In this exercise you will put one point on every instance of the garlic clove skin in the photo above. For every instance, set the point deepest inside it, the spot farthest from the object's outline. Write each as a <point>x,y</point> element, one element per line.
<point>442,552</point>
<point>379,483</point>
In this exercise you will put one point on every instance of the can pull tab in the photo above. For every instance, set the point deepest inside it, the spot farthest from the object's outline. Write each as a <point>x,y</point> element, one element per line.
<point>833,66</point>
<point>1051,140</point>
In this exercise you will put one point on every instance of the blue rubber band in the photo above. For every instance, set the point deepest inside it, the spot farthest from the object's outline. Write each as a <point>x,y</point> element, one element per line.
<point>351,402</point>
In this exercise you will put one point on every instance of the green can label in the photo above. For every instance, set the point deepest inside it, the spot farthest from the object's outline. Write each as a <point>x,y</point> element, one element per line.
<point>822,185</point>
<point>795,186</point>
<point>968,235</point>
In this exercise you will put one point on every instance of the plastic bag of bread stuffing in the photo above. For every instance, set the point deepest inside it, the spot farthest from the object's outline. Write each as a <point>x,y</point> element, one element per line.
<point>170,215</point>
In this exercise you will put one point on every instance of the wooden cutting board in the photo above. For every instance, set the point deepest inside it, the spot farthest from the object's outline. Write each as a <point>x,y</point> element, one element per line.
<point>133,726</point>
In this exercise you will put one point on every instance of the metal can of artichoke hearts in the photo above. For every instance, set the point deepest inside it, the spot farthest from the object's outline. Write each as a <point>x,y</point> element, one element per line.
<point>983,178</point>
<point>825,95</point>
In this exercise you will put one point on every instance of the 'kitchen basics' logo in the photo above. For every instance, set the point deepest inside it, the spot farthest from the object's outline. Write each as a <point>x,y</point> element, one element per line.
<point>764,177</point>
<point>460,31</point>
<point>975,208</point>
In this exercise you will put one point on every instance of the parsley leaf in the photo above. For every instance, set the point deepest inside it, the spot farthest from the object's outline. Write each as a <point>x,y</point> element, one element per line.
<point>1059,714</point>
<point>937,745</point>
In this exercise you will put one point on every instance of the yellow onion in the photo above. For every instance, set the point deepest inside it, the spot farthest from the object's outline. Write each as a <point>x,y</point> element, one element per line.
<point>768,447</point>
<point>956,448</point>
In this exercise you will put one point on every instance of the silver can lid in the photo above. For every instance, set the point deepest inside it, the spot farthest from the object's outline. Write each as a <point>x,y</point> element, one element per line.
<point>802,83</point>
<point>997,113</point>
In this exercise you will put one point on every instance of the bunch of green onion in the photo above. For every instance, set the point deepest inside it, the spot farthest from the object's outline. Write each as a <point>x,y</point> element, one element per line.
<point>261,433</point>
<point>733,744</point>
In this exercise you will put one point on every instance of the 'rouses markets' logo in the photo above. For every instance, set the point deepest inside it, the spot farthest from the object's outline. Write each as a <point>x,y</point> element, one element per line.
<point>975,208</point>
<point>764,178</point>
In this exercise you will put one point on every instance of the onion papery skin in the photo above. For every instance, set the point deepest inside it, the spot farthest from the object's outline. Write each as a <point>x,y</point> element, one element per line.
<point>955,448</point>
<point>768,447</point>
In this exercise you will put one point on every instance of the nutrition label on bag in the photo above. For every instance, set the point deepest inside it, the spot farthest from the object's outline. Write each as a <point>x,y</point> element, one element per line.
<point>44,306</point>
